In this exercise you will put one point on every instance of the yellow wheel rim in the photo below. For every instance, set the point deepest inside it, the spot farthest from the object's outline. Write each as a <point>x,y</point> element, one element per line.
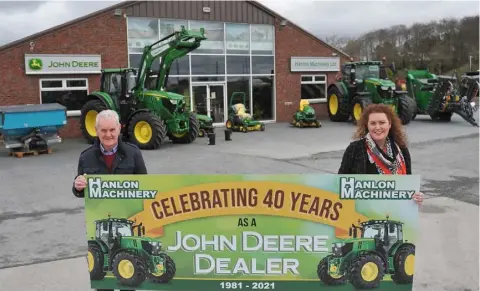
<point>229,124</point>
<point>126,269</point>
<point>90,120</point>
<point>333,104</point>
<point>91,261</point>
<point>143,132</point>
<point>410,265</point>
<point>357,111</point>
<point>160,271</point>
<point>369,271</point>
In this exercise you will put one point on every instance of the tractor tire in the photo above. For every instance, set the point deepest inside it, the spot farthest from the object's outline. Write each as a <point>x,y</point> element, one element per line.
<point>192,134</point>
<point>146,130</point>
<point>322,273</point>
<point>358,107</point>
<point>168,275</point>
<point>407,107</point>
<point>95,262</point>
<point>88,118</point>
<point>336,112</point>
<point>404,265</point>
<point>123,263</point>
<point>364,264</point>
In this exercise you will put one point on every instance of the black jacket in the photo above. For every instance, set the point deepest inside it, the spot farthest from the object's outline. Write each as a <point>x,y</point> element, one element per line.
<point>355,160</point>
<point>128,161</point>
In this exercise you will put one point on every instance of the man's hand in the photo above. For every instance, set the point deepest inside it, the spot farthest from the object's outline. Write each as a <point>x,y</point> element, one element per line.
<point>418,197</point>
<point>80,182</point>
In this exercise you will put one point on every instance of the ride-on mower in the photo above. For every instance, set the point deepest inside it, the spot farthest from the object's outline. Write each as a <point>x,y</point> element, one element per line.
<point>363,261</point>
<point>147,115</point>
<point>206,125</point>
<point>305,116</point>
<point>361,84</point>
<point>238,118</point>
<point>130,258</point>
<point>441,96</point>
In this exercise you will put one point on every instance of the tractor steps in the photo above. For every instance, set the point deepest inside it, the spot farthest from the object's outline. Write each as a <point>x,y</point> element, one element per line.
<point>20,154</point>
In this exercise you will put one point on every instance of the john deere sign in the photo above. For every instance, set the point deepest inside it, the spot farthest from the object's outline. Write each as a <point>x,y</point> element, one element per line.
<point>314,64</point>
<point>62,64</point>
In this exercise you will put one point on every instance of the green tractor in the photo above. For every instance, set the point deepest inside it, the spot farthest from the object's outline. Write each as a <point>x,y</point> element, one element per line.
<point>305,116</point>
<point>364,261</point>
<point>206,125</point>
<point>238,117</point>
<point>442,96</point>
<point>361,84</point>
<point>132,259</point>
<point>147,115</point>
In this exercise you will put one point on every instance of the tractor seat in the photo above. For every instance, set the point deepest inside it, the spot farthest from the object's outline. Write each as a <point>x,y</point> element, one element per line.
<point>303,103</point>
<point>240,111</point>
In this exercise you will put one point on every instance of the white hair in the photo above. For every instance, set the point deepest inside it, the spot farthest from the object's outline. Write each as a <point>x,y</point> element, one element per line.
<point>107,114</point>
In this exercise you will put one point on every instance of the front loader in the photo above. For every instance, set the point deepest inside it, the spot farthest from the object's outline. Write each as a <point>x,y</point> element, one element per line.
<point>148,114</point>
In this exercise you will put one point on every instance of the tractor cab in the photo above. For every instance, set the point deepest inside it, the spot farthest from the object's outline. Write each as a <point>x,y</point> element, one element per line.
<point>110,231</point>
<point>386,233</point>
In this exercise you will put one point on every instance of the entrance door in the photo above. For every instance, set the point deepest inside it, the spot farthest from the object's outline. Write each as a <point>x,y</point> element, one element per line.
<point>208,99</point>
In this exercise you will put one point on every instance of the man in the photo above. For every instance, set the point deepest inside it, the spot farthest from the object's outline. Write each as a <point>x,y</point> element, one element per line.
<point>108,155</point>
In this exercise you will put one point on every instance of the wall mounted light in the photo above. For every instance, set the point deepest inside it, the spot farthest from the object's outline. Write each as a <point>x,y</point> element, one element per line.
<point>118,12</point>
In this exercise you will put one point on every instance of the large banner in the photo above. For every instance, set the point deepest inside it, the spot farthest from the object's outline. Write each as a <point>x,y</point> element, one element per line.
<point>251,232</point>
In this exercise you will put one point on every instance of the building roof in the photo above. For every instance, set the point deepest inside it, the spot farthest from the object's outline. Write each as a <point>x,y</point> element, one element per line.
<point>126,4</point>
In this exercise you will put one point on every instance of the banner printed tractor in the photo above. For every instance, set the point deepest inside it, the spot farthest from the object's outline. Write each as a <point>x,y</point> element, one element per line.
<point>132,259</point>
<point>238,118</point>
<point>364,261</point>
<point>441,96</point>
<point>305,116</point>
<point>147,115</point>
<point>361,84</point>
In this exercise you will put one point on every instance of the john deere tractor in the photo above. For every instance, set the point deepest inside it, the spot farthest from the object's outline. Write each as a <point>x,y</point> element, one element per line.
<point>147,115</point>
<point>132,259</point>
<point>238,117</point>
<point>361,84</point>
<point>305,116</point>
<point>364,261</point>
<point>206,125</point>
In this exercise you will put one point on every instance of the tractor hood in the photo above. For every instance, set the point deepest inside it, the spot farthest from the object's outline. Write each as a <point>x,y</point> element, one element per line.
<point>381,82</point>
<point>163,94</point>
<point>140,238</point>
<point>354,240</point>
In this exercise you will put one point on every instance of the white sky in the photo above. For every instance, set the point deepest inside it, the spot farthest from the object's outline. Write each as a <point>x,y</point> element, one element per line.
<point>322,18</point>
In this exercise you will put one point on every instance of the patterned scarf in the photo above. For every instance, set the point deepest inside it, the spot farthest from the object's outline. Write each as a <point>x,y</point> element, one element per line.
<point>386,162</point>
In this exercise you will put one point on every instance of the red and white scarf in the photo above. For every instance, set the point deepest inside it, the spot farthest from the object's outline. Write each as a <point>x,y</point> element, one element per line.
<point>384,160</point>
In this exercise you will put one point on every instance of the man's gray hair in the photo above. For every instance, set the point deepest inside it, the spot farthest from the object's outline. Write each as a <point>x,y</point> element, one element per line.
<point>107,114</point>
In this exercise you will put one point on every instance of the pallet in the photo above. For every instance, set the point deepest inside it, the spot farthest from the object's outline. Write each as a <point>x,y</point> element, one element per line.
<point>20,154</point>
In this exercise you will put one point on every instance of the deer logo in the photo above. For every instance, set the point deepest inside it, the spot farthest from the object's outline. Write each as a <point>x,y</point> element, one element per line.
<point>35,64</point>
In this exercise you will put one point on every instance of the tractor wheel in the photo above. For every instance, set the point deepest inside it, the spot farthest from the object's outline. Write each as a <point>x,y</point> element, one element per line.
<point>404,265</point>
<point>407,107</point>
<point>367,271</point>
<point>324,276</point>
<point>192,133</point>
<point>335,111</point>
<point>146,130</point>
<point>243,129</point>
<point>317,124</point>
<point>357,110</point>
<point>88,118</point>
<point>229,124</point>
<point>95,262</point>
<point>170,270</point>
<point>129,269</point>
<point>262,127</point>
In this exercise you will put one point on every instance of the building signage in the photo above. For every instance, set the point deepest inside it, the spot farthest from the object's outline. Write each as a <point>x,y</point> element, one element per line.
<point>62,64</point>
<point>314,64</point>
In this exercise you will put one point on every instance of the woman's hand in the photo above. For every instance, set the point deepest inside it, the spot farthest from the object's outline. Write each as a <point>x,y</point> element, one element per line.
<point>418,197</point>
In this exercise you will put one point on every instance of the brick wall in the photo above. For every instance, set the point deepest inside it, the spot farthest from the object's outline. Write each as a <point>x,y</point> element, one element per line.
<point>291,41</point>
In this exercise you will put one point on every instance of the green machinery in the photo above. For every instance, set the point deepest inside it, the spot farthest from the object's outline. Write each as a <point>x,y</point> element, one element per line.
<point>132,259</point>
<point>206,125</point>
<point>442,96</point>
<point>361,84</point>
<point>305,116</point>
<point>364,261</point>
<point>147,115</point>
<point>238,117</point>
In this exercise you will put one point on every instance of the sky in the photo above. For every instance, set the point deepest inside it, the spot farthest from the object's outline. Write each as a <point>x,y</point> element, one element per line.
<point>322,18</point>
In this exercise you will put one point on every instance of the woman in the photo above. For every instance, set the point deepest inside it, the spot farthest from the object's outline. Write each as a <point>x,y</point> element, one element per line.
<point>380,148</point>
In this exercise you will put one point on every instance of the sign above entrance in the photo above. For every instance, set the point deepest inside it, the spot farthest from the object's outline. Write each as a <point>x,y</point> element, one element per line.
<point>62,64</point>
<point>314,64</point>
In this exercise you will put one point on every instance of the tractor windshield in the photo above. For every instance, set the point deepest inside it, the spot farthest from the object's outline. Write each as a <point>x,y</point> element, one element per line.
<point>120,228</point>
<point>374,231</point>
<point>367,71</point>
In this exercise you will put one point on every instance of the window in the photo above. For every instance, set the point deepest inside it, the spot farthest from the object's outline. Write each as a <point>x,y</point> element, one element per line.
<point>263,97</point>
<point>262,37</point>
<point>238,38</point>
<point>71,93</point>
<point>314,88</point>
<point>238,65</point>
<point>214,44</point>
<point>208,65</point>
<point>141,32</point>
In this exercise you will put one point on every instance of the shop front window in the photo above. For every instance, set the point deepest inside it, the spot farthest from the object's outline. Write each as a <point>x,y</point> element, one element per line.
<point>238,65</point>
<point>239,84</point>
<point>314,88</point>
<point>263,97</point>
<point>262,39</point>
<point>214,44</point>
<point>238,38</point>
<point>71,93</point>
<point>141,32</point>
<point>208,65</point>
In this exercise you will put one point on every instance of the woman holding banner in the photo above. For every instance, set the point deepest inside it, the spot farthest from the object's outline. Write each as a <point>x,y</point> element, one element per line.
<point>380,148</point>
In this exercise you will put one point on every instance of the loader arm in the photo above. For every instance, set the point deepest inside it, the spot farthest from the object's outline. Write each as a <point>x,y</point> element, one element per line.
<point>169,48</point>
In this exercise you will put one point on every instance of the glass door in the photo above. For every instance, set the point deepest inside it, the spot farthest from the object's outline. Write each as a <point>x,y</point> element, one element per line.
<point>216,93</point>
<point>208,99</point>
<point>200,101</point>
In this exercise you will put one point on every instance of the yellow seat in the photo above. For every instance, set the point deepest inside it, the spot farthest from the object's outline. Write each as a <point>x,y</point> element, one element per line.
<point>303,103</point>
<point>240,111</point>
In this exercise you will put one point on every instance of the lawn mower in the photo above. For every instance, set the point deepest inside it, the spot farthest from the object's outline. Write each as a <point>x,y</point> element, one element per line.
<point>206,125</point>
<point>238,118</point>
<point>305,116</point>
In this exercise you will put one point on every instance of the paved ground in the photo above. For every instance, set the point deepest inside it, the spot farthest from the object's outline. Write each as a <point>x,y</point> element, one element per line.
<point>40,228</point>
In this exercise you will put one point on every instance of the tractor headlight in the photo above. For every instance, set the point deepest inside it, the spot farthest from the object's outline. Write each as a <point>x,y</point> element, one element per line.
<point>472,104</point>
<point>174,102</point>
<point>385,88</point>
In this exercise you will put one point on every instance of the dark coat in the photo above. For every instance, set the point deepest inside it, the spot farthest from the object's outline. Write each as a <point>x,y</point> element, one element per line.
<point>129,160</point>
<point>355,160</point>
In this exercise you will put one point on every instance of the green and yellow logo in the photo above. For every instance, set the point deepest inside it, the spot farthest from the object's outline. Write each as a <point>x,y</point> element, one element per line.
<point>35,64</point>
